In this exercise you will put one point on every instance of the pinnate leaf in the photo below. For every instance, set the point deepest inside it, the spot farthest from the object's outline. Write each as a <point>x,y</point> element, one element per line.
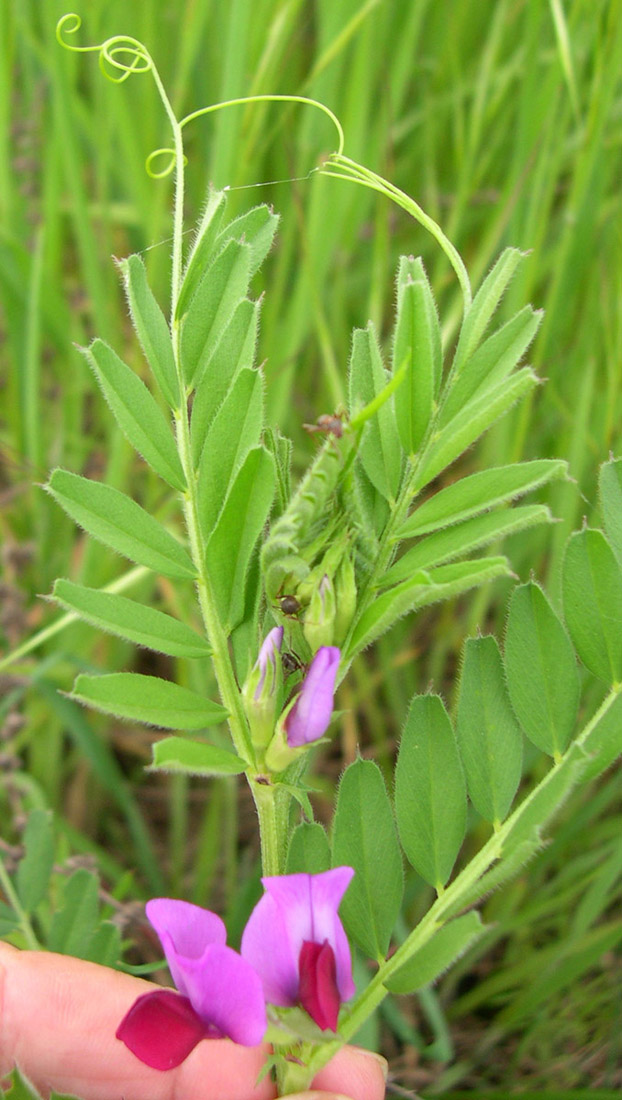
<point>541,670</point>
<point>178,754</point>
<point>610,492</point>
<point>120,523</point>
<point>430,793</point>
<point>234,431</point>
<point>151,328</point>
<point>218,293</point>
<point>147,699</point>
<point>309,850</point>
<point>464,538</point>
<point>592,596</point>
<point>235,536</point>
<point>478,493</point>
<point>138,623</point>
<point>139,417</point>
<point>490,739</point>
<point>364,837</point>
<point>35,867</point>
<point>416,343</point>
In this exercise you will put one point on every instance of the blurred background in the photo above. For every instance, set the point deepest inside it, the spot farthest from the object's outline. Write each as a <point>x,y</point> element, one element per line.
<point>503,119</point>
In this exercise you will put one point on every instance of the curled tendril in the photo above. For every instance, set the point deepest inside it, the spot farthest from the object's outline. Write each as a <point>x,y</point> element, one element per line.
<point>161,173</point>
<point>119,56</point>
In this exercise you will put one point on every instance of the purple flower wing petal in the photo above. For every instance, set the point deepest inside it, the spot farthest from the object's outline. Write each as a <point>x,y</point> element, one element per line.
<point>272,950</point>
<point>227,994</point>
<point>185,930</point>
<point>161,1029</point>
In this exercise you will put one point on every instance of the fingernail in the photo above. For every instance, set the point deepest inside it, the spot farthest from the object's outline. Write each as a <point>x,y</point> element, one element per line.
<point>382,1062</point>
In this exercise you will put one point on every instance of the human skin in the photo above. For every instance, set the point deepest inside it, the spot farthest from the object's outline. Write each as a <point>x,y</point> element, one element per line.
<point>58,1018</point>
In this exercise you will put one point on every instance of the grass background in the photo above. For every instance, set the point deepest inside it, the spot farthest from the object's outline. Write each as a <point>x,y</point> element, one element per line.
<point>503,118</point>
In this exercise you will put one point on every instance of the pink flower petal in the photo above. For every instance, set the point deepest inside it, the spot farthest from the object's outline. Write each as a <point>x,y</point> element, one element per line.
<point>318,993</point>
<point>227,994</point>
<point>185,930</point>
<point>161,1029</point>
<point>310,715</point>
<point>296,909</point>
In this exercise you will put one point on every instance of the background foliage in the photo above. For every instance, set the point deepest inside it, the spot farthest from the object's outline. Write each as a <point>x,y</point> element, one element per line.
<point>503,119</point>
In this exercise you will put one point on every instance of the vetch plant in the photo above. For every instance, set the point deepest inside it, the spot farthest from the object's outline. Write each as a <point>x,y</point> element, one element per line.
<point>292,584</point>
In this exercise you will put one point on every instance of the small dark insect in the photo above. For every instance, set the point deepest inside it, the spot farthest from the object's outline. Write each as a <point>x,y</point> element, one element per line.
<point>332,425</point>
<point>292,663</point>
<point>262,780</point>
<point>289,606</point>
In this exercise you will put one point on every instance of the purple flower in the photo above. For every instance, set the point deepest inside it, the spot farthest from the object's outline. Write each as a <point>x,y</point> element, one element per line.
<point>221,995</point>
<point>267,659</point>
<point>309,717</point>
<point>297,944</point>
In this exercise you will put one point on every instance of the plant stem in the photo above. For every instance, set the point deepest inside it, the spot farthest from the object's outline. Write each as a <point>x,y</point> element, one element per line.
<point>13,900</point>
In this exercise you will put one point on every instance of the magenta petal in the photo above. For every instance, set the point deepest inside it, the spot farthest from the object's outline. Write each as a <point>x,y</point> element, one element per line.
<point>318,993</point>
<point>185,930</point>
<point>310,715</point>
<point>295,909</point>
<point>227,994</point>
<point>272,951</point>
<point>161,1029</point>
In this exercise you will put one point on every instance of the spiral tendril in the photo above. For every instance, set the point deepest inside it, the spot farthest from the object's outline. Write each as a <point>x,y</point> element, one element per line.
<point>122,53</point>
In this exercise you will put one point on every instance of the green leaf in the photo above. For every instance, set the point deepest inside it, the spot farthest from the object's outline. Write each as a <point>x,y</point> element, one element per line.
<point>379,449</point>
<point>235,536</point>
<point>255,228</point>
<point>105,945</point>
<point>151,328</point>
<point>492,362</point>
<point>592,597</point>
<point>437,955</point>
<point>484,304</point>
<point>147,699</point>
<point>416,343</point>
<point>541,670</point>
<point>364,838</point>
<point>202,248</point>
<point>610,493</point>
<point>73,926</point>
<point>139,417</point>
<point>602,739</point>
<point>309,850</point>
<point>421,590</point>
<point>234,431</point>
<point>489,737</point>
<point>430,794</point>
<point>471,422</point>
<point>35,867</point>
<point>138,623</point>
<point>220,290</point>
<point>177,754</point>
<point>234,351</point>
<point>464,538</point>
<point>480,492</point>
<point>9,922</point>
<point>120,523</point>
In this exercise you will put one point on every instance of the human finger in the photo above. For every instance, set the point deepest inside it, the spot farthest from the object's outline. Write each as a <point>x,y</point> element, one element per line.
<point>58,1017</point>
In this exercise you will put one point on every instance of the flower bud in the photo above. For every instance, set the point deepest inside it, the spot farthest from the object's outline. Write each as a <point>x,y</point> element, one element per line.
<point>262,689</point>
<point>308,716</point>
<point>319,619</point>
<point>345,598</point>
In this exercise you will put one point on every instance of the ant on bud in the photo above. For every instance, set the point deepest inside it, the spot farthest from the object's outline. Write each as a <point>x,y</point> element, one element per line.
<point>292,663</point>
<point>289,606</point>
